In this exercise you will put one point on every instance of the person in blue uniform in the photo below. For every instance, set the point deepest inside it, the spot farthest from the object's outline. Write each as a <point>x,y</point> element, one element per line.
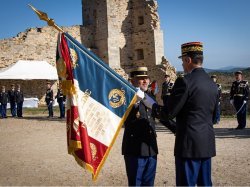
<point>61,101</point>
<point>3,100</point>
<point>139,145</point>
<point>19,101</point>
<point>49,99</point>
<point>217,116</point>
<point>193,103</point>
<point>239,97</point>
<point>166,90</point>
<point>12,100</point>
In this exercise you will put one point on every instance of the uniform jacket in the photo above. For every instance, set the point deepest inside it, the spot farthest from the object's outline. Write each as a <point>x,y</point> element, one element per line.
<point>193,102</point>
<point>239,90</point>
<point>19,96</point>
<point>139,138</point>
<point>60,97</point>
<point>219,91</point>
<point>49,96</point>
<point>12,96</point>
<point>4,98</point>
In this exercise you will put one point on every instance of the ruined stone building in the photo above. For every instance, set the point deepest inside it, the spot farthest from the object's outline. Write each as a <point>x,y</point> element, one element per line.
<point>123,33</point>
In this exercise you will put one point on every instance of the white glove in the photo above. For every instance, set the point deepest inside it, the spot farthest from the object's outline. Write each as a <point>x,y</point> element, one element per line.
<point>231,101</point>
<point>140,94</point>
<point>244,102</point>
<point>148,101</point>
<point>50,102</point>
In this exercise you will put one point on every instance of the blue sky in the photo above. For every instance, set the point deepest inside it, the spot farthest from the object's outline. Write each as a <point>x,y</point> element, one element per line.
<point>222,25</point>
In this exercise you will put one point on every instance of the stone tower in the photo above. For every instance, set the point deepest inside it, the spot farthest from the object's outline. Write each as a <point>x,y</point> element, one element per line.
<point>126,33</point>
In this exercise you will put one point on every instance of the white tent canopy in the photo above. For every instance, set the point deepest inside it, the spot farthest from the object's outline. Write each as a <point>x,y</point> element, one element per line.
<point>29,70</point>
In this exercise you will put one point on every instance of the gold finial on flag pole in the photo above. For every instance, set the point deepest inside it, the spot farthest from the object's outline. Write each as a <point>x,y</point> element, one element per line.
<point>44,16</point>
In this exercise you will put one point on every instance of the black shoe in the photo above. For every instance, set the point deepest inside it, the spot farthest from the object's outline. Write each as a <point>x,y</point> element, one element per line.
<point>239,128</point>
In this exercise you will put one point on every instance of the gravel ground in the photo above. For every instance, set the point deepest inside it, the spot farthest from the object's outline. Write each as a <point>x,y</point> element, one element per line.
<point>33,152</point>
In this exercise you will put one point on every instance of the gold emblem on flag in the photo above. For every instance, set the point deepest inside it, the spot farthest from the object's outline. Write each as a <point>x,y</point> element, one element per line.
<point>116,98</point>
<point>61,68</point>
<point>74,58</point>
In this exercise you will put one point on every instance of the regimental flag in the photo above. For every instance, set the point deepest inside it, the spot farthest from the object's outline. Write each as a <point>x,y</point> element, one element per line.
<point>98,102</point>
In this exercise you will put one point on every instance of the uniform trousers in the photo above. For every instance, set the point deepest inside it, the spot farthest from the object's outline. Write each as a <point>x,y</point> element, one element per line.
<point>242,114</point>
<point>62,109</point>
<point>217,115</point>
<point>13,108</point>
<point>50,109</point>
<point>20,109</point>
<point>3,110</point>
<point>140,170</point>
<point>190,172</point>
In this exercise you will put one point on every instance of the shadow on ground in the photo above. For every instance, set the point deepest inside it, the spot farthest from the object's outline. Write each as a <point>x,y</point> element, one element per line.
<point>43,118</point>
<point>232,133</point>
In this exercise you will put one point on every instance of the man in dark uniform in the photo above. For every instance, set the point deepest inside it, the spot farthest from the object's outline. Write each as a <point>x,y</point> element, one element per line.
<point>61,101</point>
<point>19,101</point>
<point>239,97</point>
<point>193,102</point>
<point>166,90</point>
<point>139,145</point>
<point>12,99</point>
<point>217,116</point>
<point>49,99</point>
<point>3,100</point>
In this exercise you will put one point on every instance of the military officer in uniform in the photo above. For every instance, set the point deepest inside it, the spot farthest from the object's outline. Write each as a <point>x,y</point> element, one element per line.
<point>193,102</point>
<point>61,101</point>
<point>49,99</point>
<point>3,100</point>
<point>19,101</point>
<point>239,97</point>
<point>217,116</point>
<point>139,145</point>
<point>12,99</point>
<point>166,90</point>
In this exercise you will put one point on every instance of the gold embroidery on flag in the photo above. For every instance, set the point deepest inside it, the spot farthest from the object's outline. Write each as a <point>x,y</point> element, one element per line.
<point>116,98</point>
<point>61,68</point>
<point>74,58</point>
<point>93,151</point>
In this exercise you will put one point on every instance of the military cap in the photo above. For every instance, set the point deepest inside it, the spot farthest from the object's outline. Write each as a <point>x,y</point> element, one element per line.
<point>191,48</point>
<point>12,85</point>
<point>213,76</point>
<point>238,72</point>
<point>139,72</point>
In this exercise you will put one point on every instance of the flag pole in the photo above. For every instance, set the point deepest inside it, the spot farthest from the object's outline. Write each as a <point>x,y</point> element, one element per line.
<point>44,16</point>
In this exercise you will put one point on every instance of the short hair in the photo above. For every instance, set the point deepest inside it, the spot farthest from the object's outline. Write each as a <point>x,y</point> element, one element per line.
<point>197,58</point>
